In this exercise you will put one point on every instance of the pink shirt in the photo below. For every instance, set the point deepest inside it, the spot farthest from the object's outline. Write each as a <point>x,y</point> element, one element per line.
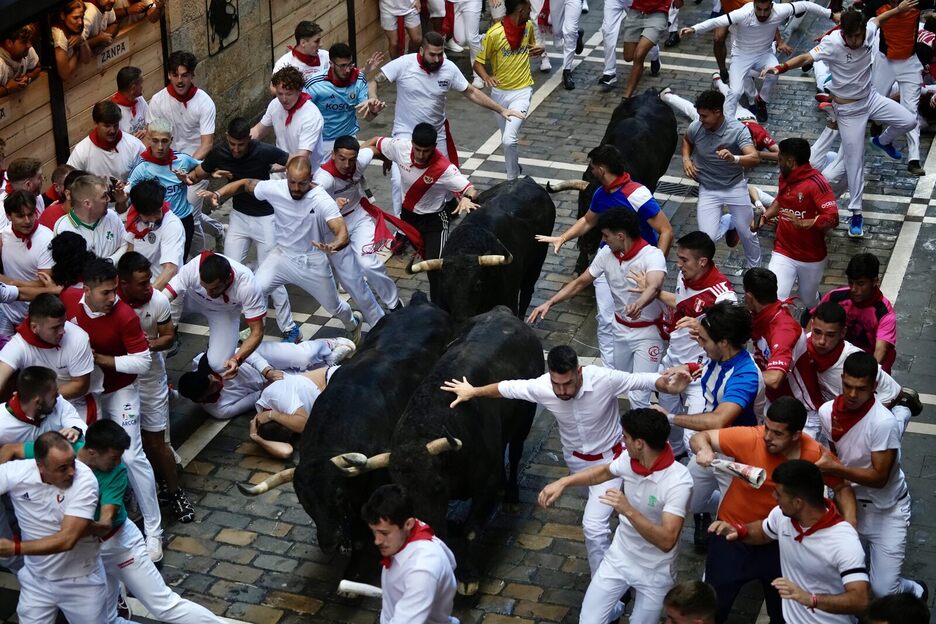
<point>865,325</point>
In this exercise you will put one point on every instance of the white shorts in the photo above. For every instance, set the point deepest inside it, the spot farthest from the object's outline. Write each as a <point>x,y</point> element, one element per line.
<point>388,21</point>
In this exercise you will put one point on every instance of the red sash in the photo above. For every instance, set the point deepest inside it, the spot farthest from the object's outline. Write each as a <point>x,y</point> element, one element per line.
<point>382,235</point>
<point>450,144</point>
<point>433,171</point>
<point>401,35</point>
<point>543,18</point>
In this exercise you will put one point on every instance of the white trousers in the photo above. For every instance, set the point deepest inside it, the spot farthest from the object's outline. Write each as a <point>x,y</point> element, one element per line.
<point>126,561</point>
<point>310,272</point>
<point>690,401</point>
<point>596,515</point>
<point>738,202</point>
<point>436,8</point>
<point>295,358</point>
<point>908,74</point>
<point>830,163</point>
<point>807,274</point>
<point>261,231</point>
<point>604,318</point>
<point>885,532</point>
<point>741,65</point>
<point>618,573</point>
<point>637,350</point>
<point>349,275</point>
<point>153,387</point>
<point>518,100</point>
<point>614,12</point>
<point>80,599</point>
<point>564,16</point>
<point>852,120</point>
<point>123,407</point>
<point>223,327</point>
<point>361,230</point>
<point>467,24</point>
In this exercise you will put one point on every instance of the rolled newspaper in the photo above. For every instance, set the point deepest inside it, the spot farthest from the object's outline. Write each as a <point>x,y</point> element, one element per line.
<point>752,474</point>
<point>359,589</point>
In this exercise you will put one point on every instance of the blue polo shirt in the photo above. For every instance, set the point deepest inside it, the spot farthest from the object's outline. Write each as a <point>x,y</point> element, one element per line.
<point>635,196</point>
<point>733,381</point>
<point>337,104</point>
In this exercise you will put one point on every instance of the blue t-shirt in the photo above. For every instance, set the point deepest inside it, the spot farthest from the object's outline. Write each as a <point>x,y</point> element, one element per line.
<point>176,192</point>
<point>733,381</point>
<point>635,196</point>
<point>337,104</point>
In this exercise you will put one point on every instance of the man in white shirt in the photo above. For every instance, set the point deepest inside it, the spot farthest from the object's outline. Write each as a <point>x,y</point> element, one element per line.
<point>25,253</point>
<point>652,499</point>
<point>824,578</point>
<point>154,231</point>
<point>307,54</point>
<point>55,498</point>
<point>296,122</point>
<point>19,61</point>
<point>192,114</point>
<point>23,174</point>
<point>304,217</point>
<point>849,53</point>
<point>90,218</point>
<point>638,343</point>
<point>107,151</point>
<point>866,438</point>
<point>417,570</point>
<point>129,97</point>
<point>100,23</point>
<point>584,401</point>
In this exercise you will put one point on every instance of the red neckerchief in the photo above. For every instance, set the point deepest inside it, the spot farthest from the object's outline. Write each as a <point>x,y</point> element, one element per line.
<point>182,98</point>
<point>831,517</point>
<point>637,246</point>
<point>764,319</point>
<point>104,145</point>
<point>303,98</point>
<point>53,195</point>
<point>147,155</point>
<point>618,182</point>
<point>122,100</point>
<point>513,32</point>
<point>123,297</point>
<point>232,276</point>
<point>878,296</point>
<point>16,410</point>
<point>24,330</point>
<point>133,216</point>
<point>708,279</point>
<point>663,461</point>
<point>213,397</point>
<point>9,188</point>
<point>26,238</point>
<point>822,362</point>
<point>436,155</point>
<point>421,531</point>
<point>308,59</point>
<point>351,79</point>
<point>843,419</point>
<point>331,168</point>
<point>798,174</point>
<point>422,64</point>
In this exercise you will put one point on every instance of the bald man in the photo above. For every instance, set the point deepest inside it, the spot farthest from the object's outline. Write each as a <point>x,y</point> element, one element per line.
<point>309,229</point>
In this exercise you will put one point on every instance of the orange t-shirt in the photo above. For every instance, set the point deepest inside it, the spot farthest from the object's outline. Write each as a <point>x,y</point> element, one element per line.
<point>727,6</point>
<point>742,503</point>
<point>900,33</point>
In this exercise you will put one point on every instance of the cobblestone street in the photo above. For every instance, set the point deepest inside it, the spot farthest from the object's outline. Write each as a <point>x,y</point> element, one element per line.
<point>256,559</point>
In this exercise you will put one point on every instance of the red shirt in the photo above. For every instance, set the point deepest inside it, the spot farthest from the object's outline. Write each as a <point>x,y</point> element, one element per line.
<point>759,135</point>
<point>805,193</point>
<point>116,333</point>
<point>51,214</point>
<point>651,6</point>
<point>775,335</point>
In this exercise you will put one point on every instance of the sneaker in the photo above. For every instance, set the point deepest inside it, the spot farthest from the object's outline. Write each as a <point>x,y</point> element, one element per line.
<point>123,609</point>
<point>607,82</point>
<point>354,334</point>
<point>655,66</point>
<point>700,534</point>
<point>584,7</point>
<point>477,83</point>
<point>154,548</point>
<point>293,336</point>
<point>174,349</point>
<point>672,40</point>
<point>925,596</point>
<point>910,399</point>
<point>162,493</point>
<point>731,237</point>
<point>856,226</point>
<point>181,509</point>
<point>567,81</point>
<point>452,46</point>
<point>545,65</point>
<point>875,129</point>
<point>826,106</point>
<point>341,349</point>
<point>823,97</point>
<point>914,168</point>
<point>580,42</point>
<point>760,109</point>
<point>665,91</point>
<point>888,149</point>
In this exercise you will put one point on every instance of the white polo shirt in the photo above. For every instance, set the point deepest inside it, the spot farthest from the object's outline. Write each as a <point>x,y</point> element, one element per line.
<point>662,491</point>
<point>153,313</point>
<point>877,431</point>
<point>851,69</point>
<point>307,70</point>
<point>70,359</point>
<point>104,238</point>
<point>351,189</point>
<point>40,509</point>
<point>164,243</point>
<point>239,394</point>
<point>243,295</point>
<point>822,563</point>
<point>451,180</point>
<point>22,263</point>
<point>289,394</point>
<point>646,260</point>
<point>589,422</point>
<point>298,222</point>
<point>419,585</point>
<point>117,163</point>
<point>424,93</point>
<point>13,430</point>
<point>131,122</point>
<point>304,131</point>
<point>189,120</point>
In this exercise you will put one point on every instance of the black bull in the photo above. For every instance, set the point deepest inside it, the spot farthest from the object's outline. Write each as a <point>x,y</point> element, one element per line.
<point>492,257</point>
<point>643,128</point>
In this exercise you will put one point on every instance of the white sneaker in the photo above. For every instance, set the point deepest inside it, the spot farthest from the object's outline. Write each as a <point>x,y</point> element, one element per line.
<point>154,548</point>
<point>477,83</point>
<point>545,65</point>
<point>341,349</point>
<point>452,46</point>
<point>354,334</point>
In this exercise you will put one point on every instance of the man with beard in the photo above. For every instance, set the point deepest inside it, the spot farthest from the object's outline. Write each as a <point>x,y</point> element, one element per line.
<point>108,151</point>
<point>129,98</point>
<point>423,80</point>
<point>583,400</point>
<point>304,217</point>
<point>19,62</point>
<point>297,125</point>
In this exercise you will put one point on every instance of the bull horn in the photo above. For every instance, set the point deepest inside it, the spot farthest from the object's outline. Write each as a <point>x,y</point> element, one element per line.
<point>567,185</point>
<point>281,477</point>
<point>426,265</point>
<point>495,260</point>
<point>354,464</point>
<point>442,445</point>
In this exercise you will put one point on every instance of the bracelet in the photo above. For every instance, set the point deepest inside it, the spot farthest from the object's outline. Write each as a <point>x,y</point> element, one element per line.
<point>780,69</point>
<point>813,602</point>
<point>17,546</point>
<point>737,159</point>
<point>741,529</point>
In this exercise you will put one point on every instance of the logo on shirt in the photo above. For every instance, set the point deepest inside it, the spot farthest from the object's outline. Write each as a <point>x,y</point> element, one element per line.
<point>444,83</point>
<point>25,496</point>
<point>428,179</point>
<point>848,57</point>
<point>151,237</point>
<point>799,197</point>
<point>652,501</point>
<point>109,236</point>
<point>59,498</point>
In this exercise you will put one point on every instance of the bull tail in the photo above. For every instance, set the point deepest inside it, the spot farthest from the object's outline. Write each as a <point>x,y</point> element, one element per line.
<point>281,477</point>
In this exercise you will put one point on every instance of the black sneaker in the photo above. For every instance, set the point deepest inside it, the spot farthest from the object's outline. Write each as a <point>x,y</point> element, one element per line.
<point>181,508</point>
<point>655,67</point>
<point>162,493</point>
<point>925,596</point>
<point>914,168</point>
<point>607,82</point>
<point>731,237</point>
<point>567,81</point>
<point>700,535</point>
<point>910,399</point>
<point>760,109</point>
<point>744,102</point>
<point>672,40</point>
<point>580,42</point>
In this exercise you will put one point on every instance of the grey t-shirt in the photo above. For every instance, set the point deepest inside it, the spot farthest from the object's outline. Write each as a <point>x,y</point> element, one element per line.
<point>715,173</point>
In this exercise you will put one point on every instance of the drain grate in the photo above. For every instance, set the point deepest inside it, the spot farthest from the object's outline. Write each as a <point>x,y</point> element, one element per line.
<point>674,188</point>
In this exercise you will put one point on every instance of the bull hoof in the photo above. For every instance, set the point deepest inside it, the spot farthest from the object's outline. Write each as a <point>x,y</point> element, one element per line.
<point>467,589</point>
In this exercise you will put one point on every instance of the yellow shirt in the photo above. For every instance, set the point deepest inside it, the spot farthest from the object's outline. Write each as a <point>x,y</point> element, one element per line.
<point>510,67</point>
